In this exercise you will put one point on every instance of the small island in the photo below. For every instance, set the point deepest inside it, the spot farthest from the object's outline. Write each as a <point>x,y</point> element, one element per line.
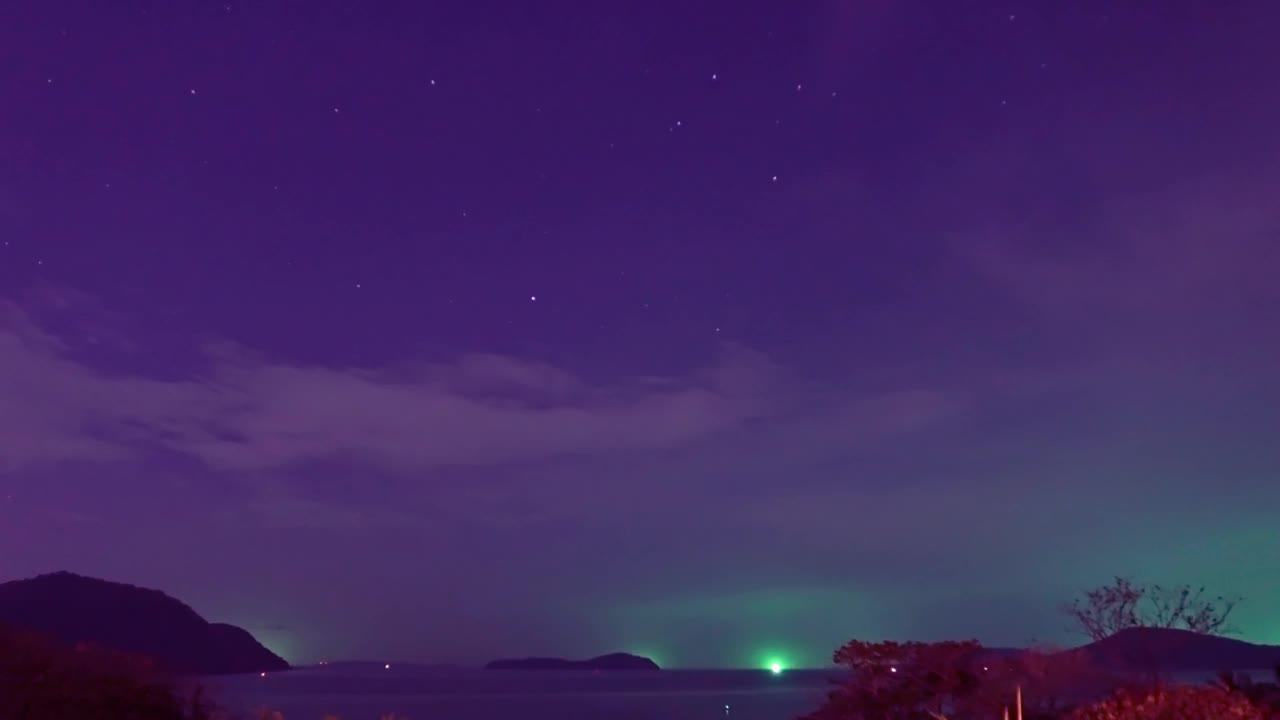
<point>612,661</point>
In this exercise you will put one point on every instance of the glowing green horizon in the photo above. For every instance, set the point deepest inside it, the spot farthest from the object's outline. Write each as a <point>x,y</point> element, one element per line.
<point>775,663</point>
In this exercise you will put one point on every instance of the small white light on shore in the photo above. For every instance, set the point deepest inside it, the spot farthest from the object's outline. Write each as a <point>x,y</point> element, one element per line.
<point>387,666</point>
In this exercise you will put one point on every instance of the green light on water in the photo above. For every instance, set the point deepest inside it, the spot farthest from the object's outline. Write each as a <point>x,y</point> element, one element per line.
<point>775,667</point>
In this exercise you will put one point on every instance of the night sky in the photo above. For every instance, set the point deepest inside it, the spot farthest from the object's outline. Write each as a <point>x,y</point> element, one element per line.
<point>714,331</point>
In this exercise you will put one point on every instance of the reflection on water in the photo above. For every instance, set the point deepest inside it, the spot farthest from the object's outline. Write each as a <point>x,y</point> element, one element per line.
<point>367,692</point>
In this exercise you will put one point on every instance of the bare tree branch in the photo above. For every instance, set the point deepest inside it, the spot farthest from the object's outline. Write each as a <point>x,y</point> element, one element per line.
<point>1106,610</point>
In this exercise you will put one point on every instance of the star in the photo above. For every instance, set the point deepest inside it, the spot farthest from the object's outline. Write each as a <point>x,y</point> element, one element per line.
<point>337,111</point>
<point>799,87</point>
<point>193,91</point>
<point>714,76</point>
<point>774,179</point>
<point>533,298</point>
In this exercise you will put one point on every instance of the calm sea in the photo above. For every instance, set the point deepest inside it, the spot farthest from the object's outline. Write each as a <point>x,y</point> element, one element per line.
<point>369,692</point>
<point>428,694</point>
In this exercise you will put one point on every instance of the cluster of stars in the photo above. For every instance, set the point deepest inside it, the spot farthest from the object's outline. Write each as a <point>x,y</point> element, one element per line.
<point>772,178</point>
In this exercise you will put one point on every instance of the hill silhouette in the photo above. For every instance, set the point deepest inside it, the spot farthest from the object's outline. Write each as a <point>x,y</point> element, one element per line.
<point>1170,650</point>
<point>613,661</point>
<point>76,610</point>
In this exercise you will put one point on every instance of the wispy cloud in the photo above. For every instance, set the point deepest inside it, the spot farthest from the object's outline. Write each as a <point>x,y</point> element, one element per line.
<point>244,412</point>
<point>1197,246</point>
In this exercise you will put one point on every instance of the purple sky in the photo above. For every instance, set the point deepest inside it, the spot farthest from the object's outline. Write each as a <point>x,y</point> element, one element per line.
<point>439,331</point>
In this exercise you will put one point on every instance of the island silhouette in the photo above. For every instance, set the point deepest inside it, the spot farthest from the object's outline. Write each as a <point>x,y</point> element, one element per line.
<point>612,661</point>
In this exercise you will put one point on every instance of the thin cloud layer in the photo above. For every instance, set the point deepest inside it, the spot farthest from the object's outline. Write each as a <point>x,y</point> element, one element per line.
<point>252,414</point>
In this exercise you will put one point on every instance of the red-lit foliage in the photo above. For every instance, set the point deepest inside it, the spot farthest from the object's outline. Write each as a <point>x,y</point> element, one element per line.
<point>906,681</point>
<point>1180,702</point>
<point>42,681</point>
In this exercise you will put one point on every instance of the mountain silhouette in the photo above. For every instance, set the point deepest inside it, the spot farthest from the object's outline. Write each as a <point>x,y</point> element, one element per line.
<point>1170,650</point>
<point>74,610</point>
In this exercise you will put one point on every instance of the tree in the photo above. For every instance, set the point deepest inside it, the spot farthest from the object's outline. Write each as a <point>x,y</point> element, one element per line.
<point>903,681</point>
<point>1108,609</point>
<point>1182,607</point>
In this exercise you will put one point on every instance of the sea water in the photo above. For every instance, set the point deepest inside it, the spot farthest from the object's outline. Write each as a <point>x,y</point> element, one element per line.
<point>417,693</point>
<point>431,694</point>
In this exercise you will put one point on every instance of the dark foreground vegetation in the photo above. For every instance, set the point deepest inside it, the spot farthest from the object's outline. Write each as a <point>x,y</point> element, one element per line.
<point>43,680</point>
<point>961,681</point>
<point>1140,634</point>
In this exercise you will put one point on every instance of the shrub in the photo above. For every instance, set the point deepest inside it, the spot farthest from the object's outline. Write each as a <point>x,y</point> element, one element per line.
<point>1179,702</point>
<point>43,681</point>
